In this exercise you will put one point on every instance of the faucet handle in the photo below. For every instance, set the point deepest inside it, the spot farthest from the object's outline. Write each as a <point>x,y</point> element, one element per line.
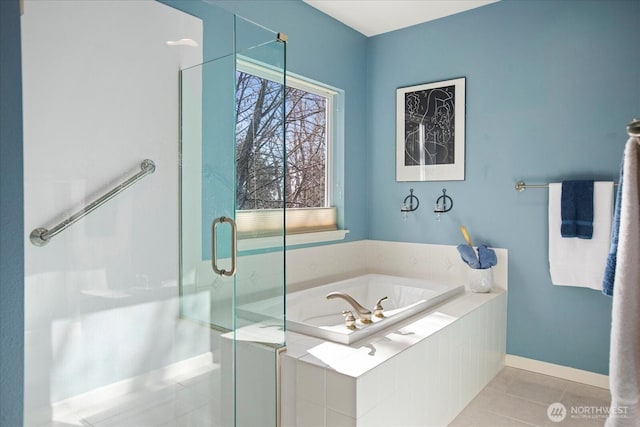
<point>377,310</point>
<point>349,319</point>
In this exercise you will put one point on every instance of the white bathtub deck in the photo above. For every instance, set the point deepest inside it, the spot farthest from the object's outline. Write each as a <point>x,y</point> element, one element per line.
<point>427,368</point>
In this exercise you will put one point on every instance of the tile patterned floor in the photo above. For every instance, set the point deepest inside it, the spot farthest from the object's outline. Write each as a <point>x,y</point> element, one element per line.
<point>521,398</point>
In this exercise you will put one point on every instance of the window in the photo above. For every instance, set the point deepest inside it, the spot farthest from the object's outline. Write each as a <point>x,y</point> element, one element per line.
<point>265,179</point>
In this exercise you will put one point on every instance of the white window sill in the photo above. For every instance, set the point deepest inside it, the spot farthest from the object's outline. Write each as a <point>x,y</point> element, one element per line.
<point>292,240</point>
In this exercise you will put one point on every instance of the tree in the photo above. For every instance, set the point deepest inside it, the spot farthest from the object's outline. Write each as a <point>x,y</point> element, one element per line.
<point>265,178</point>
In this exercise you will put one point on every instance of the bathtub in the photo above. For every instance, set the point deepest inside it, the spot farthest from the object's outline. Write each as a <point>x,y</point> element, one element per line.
<point>310,313</point>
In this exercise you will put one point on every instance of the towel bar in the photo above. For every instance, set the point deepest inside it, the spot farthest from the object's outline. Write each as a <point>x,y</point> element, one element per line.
<point>521,186</point>
<point>633,128</point>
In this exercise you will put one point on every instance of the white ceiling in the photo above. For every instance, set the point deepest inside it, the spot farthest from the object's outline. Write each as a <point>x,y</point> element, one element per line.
<point>372,17</point>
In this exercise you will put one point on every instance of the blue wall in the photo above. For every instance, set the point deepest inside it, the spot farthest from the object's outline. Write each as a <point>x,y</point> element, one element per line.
<point>550,88</point>
<point>11,219</point>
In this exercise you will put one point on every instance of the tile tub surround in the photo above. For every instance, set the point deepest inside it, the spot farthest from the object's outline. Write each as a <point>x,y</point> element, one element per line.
<point>309,267</point>
<point>423,372</point>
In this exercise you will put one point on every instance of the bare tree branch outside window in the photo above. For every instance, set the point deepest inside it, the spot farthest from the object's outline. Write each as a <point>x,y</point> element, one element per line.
<point>262,182</point>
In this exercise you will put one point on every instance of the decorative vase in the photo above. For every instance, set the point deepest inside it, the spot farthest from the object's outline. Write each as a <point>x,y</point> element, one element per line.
<point>480,280</point>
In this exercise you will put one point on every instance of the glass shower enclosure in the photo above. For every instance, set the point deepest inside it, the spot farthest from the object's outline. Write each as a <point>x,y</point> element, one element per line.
<point>232,169</point>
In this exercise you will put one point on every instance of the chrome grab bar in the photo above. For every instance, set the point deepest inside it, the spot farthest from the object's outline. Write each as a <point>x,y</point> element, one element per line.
<point>214,247</point>
<point>41,236</point>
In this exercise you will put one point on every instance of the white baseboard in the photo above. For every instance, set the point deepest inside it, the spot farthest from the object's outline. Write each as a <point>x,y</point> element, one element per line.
<point>564,372</point>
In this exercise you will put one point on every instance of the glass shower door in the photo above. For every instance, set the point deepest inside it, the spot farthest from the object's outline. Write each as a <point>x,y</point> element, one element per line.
<point>232,173</point>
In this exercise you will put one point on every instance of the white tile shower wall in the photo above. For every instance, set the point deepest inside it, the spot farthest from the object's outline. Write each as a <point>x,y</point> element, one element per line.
<point>428,383</point>
<point>100,95</point>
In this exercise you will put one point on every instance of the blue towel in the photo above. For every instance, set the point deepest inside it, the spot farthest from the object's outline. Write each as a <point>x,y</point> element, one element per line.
<point>468,255</point>
<point>610,268</point>
<point>486,256</point>
<point>577,209</point>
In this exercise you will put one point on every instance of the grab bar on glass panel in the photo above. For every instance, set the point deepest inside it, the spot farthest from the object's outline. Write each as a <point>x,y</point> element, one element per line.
<point>41,236</point>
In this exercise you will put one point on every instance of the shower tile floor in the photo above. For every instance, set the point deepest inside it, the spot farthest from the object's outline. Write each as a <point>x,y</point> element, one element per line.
<point>514,397</point>
<point>192,401</point>
<point>517,397</point>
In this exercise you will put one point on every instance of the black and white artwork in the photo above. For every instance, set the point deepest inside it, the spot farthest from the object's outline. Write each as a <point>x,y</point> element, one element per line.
<point>430,131</point>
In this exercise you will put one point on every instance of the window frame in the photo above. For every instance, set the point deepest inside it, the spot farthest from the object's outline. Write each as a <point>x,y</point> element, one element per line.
<point>268,72</point>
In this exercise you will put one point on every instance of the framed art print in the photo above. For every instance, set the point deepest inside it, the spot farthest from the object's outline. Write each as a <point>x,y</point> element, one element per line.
<point>430,127</point>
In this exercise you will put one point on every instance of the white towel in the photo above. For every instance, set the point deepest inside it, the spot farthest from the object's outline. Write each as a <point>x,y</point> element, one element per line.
<point>624,360</point>
<point>580,262</point>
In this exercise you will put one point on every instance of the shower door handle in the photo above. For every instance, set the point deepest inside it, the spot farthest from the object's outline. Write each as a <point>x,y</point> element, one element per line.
<point>214,247</point>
